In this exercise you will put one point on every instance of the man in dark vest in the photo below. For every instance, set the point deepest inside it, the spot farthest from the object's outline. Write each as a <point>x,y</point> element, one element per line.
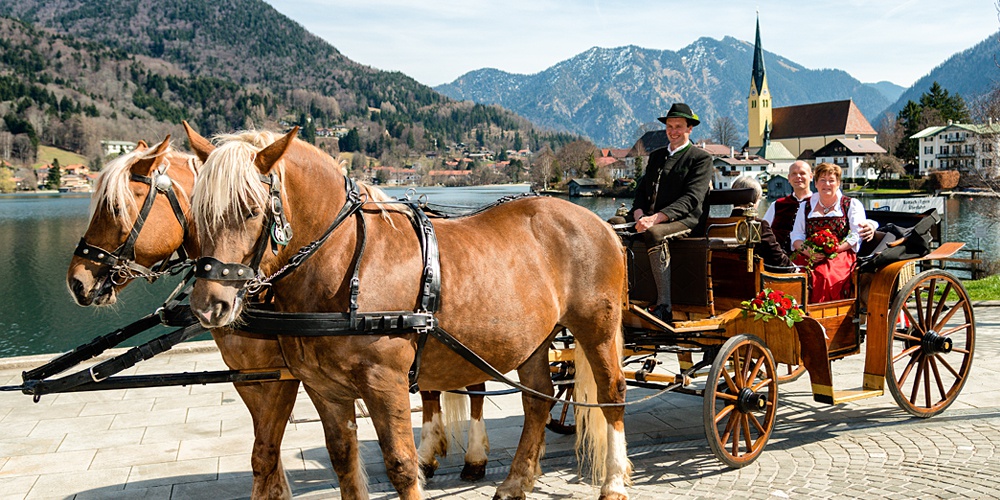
<point>781,214</point>
<point>669,198</point>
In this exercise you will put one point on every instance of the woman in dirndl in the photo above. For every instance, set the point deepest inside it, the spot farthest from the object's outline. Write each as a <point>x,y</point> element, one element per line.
<point>828,208</point>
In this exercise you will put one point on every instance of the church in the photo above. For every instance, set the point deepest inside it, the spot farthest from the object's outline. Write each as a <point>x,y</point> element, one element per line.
<point>782,135</point>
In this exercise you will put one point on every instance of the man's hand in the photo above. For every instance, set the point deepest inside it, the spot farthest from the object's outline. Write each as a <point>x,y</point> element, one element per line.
<point>644,223</point>
<point>867,230</point>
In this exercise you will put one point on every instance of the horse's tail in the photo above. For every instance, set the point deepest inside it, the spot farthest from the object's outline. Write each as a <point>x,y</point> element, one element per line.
<point>592,428</point>
<point>455,416</point>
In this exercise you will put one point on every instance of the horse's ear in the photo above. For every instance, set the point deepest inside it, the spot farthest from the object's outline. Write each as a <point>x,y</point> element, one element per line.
<point>144,166</point>
<point>201,146</point>
<point>270,155</point>
<point>141,145</point>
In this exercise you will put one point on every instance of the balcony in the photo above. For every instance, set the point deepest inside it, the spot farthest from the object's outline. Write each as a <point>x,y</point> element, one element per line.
<point>958,138</point>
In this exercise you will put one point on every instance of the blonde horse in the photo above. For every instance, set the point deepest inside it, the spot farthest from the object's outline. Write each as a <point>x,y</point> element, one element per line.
<point>115,209</point>
<point>511,277</point>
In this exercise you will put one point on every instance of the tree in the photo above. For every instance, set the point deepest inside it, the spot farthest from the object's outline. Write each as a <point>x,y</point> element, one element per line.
<point>351,142</point>
<point>7,184</point>
<point>573,157</point>
<point>54,179</point>
<point>890,133</point>
<point>885,165</point>
<point>638,169</point>
<point>935,107</point>
<point>591,166</point>
<point>724,131</point>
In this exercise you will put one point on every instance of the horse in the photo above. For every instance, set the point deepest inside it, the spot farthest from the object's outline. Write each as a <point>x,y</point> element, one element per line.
<point>115,212</point>
<point>511,278</point>
<point>115,208</point>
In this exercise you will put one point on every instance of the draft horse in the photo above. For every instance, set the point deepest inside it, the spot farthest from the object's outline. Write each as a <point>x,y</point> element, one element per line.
<point>110,263</point>
<point>106,261</point>
<point>511,277</point>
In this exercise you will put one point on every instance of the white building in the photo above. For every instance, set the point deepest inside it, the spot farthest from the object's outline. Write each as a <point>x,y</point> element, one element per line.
<point>849,154</point>
<point>117,147</point>
<point>959,146</point>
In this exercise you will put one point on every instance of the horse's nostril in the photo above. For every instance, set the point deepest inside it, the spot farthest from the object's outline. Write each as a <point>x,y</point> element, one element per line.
<point>77,287</point>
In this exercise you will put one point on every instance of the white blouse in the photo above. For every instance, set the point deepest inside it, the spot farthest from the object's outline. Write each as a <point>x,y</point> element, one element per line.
<point>855,216</point>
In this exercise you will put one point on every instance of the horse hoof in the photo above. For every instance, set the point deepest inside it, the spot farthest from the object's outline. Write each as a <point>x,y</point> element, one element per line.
<point>428,470</point>
<point>613,496</point>
<point>473,472</point>
<point>498,496</point>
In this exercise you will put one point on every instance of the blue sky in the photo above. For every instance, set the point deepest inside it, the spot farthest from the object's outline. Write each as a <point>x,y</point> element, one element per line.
<point>437,41</point>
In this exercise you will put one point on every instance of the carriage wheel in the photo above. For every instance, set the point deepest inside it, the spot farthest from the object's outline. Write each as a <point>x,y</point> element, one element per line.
<point>563,418</point>
<point>741,399</point>
<point>933,338</point>
<point>789,373</point>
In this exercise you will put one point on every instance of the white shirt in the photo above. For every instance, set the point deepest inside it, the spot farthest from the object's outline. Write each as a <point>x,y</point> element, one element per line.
<point>670,152</point>
<point>855,216</point>
<point>769,215</point>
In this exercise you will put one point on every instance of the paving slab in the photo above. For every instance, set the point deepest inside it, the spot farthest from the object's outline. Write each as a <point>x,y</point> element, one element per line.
<point>195,442</point>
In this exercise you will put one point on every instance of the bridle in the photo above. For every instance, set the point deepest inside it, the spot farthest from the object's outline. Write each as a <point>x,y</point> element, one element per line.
<point>121,264</point>
<point>277,232</point>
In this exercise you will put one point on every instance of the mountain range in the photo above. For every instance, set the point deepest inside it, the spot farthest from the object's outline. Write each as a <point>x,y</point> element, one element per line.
<point>130,66</point>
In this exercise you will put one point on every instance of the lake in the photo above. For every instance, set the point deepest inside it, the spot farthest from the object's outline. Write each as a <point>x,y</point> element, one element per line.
<point>38,233</point>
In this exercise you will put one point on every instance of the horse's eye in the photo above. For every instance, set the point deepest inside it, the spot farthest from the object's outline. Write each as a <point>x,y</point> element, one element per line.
<point>253,214</point>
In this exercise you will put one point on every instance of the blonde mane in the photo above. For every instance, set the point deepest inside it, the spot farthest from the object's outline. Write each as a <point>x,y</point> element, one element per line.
<point>229,183</point>
<point>113,191</point>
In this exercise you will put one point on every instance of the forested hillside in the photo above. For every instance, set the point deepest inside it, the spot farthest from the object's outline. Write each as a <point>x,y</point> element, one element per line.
<point>130,70</point>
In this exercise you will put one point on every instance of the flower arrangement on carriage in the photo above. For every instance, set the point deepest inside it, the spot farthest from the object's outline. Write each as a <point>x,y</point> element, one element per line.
<point>773,304</point>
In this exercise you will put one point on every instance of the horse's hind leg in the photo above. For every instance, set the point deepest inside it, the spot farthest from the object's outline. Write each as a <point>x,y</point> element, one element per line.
<point>270,404</point>
<point>534,373</point>
<point>479,442</point>
<point>340,430</point>
<point>433,436</point>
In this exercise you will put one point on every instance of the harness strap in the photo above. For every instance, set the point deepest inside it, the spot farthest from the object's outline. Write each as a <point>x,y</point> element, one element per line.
<point>267,322</point>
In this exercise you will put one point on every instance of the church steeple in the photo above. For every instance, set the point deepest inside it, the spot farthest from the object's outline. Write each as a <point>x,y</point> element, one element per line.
<point>759,100</point>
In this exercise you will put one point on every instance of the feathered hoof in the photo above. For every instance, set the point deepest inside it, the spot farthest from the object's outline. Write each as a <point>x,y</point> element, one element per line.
<point>613,496</point>
<point>473,472</point>
<point>428,469</point>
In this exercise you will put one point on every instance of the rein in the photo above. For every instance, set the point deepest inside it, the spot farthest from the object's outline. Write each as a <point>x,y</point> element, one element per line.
<point>121,262</point>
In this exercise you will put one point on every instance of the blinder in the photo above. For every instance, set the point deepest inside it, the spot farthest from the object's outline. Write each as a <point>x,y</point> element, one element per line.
<point>121,261</point>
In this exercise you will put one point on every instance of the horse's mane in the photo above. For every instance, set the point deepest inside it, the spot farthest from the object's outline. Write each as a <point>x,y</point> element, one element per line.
<point>113,191</point>
<point>229,182</point>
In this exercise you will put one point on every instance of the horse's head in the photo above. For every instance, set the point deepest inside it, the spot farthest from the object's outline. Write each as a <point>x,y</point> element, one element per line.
<point>138,218</point>
<point>237,207</point>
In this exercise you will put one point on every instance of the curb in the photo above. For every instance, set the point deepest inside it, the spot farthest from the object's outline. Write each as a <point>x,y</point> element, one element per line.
<point>40,359</point>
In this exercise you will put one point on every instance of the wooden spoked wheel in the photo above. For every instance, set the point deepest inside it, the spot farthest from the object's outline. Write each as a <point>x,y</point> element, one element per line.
<point>741,400</point>
<point>562,417</point>
<point>933,336</point>
<point>789,373</point>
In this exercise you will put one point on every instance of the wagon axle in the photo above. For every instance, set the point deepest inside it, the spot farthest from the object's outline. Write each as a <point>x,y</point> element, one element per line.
<point>932,343</point>
<point>748,401</point>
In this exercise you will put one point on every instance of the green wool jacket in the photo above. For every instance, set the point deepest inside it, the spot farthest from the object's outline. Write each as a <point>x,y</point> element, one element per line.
<point>684,180</point>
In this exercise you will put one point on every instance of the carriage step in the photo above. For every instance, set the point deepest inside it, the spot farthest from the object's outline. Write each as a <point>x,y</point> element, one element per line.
<point>824,394</point>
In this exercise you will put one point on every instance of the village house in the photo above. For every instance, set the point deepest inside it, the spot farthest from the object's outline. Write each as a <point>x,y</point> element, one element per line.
<point>959,146</point>
<point>109,148</point>
<point>728,168</point>
<point>584,187</point>
<point>448,177</point>
<point>394,176</point>
<point>849,154</point>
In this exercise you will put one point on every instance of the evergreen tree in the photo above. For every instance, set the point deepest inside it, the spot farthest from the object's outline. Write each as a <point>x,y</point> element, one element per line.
<point>350,142</point>
<point>591,166</point>
<point>54,179</point>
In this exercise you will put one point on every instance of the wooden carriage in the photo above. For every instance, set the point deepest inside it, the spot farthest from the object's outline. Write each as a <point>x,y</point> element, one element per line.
<point>918,332</point>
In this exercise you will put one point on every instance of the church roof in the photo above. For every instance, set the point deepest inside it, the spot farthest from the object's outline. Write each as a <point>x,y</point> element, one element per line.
<point>824,118</point>
<point>758,61</point>
<point>773,150</point>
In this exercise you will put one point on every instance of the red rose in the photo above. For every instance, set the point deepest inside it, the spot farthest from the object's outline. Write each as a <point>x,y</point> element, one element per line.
<point>757,303</point>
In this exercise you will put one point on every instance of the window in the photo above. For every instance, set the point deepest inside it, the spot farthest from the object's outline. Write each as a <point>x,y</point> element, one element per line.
<point>928,150</point>
<point>943,150</point>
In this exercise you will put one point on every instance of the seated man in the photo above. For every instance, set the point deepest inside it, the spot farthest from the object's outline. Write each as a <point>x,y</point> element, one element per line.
<point>768,249</point>
<point>669,197</point>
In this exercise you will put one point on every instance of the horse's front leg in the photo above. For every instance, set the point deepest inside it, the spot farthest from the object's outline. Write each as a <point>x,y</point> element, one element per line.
<point>270,404</point>
<point>389,404</point>
<point>340,429</point>
<point>525,466</point>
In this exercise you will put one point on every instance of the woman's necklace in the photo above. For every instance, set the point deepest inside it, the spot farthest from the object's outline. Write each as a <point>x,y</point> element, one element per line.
<point>826,208</point>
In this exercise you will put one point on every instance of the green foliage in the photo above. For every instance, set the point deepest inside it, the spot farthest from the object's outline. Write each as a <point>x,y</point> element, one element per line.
<point>985,289</point>
<point>54,179</point>
<point>7,184</point>
<point>591,166</point>
<point>936,107</point>
<point>351,142</point>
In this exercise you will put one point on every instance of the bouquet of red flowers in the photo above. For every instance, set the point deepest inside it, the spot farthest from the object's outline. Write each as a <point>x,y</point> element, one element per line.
<point>824,242</point>
<point>773,304</point>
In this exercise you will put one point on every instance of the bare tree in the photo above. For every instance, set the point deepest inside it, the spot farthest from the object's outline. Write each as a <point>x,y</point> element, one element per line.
<point>890,132</point>
<point>724,131</point>
<point>885,165</point>
<point>573,157</point>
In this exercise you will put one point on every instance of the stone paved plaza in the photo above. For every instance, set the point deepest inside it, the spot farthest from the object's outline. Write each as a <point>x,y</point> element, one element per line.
<point>194,442</point>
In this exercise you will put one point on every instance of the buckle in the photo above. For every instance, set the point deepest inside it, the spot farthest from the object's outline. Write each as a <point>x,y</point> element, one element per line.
<point>94,377</point>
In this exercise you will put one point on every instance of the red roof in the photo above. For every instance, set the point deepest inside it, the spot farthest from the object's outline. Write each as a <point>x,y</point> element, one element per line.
<point>824,118</point>
<point>449,172</point>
